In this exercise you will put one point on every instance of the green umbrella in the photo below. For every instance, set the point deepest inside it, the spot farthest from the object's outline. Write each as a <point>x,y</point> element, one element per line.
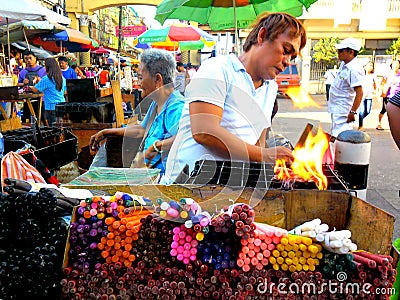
<point>221,14</point>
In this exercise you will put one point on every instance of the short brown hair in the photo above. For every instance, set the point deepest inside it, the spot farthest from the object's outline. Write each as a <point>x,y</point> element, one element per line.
<point>275,24</point>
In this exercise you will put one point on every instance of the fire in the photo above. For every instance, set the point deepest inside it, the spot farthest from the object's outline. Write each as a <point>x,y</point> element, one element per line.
<point>307,164</point>
<point>300,97</point>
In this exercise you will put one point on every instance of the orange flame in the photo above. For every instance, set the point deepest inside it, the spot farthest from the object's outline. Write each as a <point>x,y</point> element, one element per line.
<point>300,97</point>
<point>307,164</point>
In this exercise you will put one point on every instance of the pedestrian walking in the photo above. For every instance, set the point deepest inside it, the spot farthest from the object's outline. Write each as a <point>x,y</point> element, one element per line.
<point>346,92</point>
<point>390,87</point>
<point>369,87</point>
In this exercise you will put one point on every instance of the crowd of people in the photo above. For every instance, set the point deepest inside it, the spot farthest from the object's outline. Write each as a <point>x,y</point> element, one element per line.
<point>223,110</point>
<point>229,101</point>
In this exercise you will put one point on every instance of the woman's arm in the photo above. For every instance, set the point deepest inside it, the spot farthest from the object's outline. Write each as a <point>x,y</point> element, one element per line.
<point>135,131</point>
<point>205,119</point>
<point>162,146</point>
<point>33,89</point>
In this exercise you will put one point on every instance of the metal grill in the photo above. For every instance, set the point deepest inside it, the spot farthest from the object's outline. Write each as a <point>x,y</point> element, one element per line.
<point>251,174</point>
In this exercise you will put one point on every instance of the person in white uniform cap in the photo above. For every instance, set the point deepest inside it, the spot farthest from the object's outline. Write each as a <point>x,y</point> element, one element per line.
<point>345,94</point>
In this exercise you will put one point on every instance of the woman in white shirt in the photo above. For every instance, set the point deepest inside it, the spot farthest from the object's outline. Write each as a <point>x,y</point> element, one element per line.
<point>369,86</point>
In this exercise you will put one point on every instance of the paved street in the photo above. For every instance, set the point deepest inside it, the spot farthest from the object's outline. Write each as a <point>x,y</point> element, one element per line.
<point>384,168</point>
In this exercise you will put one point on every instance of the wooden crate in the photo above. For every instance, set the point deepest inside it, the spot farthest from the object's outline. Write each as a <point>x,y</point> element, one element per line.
<point>371,227</point>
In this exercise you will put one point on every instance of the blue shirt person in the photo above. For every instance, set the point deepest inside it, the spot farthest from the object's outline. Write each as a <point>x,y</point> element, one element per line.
<point>67,72</point>
<point>53,87</point>
<point>164,126</point>
<point>157,131</point>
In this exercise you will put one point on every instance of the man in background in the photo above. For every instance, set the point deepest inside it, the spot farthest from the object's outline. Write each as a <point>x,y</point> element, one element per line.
<point>28,77</point>
<point>345,94</point>
<point>180,77</point>
<point>67,72</point>
<point>190,70</point>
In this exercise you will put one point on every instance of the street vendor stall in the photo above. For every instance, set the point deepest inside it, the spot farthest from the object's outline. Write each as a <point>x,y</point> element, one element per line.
<point>12,95</point>
<point>88,110</point>
<point>231,230</point>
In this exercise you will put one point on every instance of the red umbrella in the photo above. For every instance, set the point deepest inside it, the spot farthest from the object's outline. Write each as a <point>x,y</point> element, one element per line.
<point>101,50</point>
<point>69,39</point>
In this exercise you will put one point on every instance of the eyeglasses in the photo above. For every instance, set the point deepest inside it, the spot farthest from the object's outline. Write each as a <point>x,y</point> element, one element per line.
<point>344,49</point>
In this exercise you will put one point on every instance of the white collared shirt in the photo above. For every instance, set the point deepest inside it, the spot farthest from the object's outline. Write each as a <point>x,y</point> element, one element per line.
<point>224,82</point>
<point>342,92</point>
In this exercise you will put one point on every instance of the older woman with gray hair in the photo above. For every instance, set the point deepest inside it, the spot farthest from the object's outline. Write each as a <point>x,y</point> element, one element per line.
<point>160,125</point>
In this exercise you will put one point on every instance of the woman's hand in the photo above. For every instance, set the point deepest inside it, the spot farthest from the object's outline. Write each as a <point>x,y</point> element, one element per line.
<point>280,152</point>
<point>36,80</point>
<point>95,140</point>
<point>150,153</point>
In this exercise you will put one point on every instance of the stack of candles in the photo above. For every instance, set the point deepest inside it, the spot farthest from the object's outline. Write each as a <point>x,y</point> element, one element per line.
<point>185,211</point>
<point>182,252</point>
<point>105,226</point>
<point>221,246</point>
<point>339,242</point>
<point>184,245</point>
<point>333,263</point>
<point>374,268</point>
<point>334,241</point>
<point>314,229</point>
<point>296,253</point>
<point>256,250</point>
<point>117,244</point>
<point>32,243</point>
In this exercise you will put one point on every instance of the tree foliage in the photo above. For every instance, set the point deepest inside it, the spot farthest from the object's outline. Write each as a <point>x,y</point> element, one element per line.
<point>394,48</point>
<point>325,50</point>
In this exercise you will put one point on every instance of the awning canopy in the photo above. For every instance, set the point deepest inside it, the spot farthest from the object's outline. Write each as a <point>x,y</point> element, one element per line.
<point>28,10</point>
<point>19,30</point>
<point>40,53</point>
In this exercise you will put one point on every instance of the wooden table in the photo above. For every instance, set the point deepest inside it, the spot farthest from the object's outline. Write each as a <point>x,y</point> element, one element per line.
<point>13,122</point>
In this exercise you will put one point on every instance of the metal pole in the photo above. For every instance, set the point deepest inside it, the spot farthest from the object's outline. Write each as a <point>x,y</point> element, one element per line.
<point>26,39</point>
<point>236,29</point>
<point>8,48</point>
<point>120,30</point>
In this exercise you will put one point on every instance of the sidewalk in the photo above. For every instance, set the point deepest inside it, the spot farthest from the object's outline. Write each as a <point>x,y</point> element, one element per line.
<point>384,168</point>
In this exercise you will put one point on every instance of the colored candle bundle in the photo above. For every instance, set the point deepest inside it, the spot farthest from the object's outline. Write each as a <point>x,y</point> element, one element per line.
<point>313,229</point>
<point>376,269</point>
<point>296,253</point>
<point>331,264</point>
<point>32,243</point>
<point>219,249</point>
<point>256,250</point>
<point>242,216</point>
<point>116,246</point>
<point>185,241</point>
<point>339,242</point>
<point>186,211</point>
<point>106,226</point>
<point>154,243</point>
<point>178,211</point>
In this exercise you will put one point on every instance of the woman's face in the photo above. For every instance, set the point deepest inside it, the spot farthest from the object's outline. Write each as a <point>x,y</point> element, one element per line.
<point>369,67</point>
<point>271,58</point>
<point>147,83</point>
<point>395,65</point>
